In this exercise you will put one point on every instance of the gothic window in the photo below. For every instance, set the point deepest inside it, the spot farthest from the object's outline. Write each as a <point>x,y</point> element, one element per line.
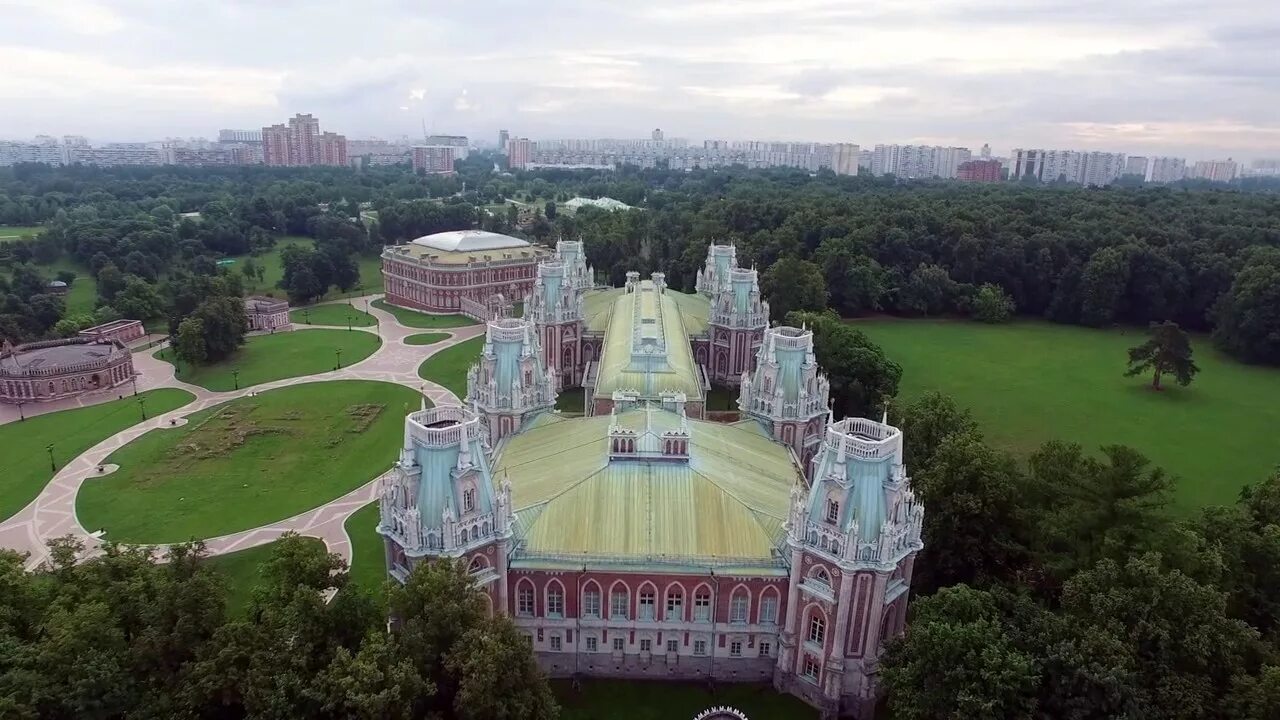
<point>738,607</point>
<point>821,576</point>
<point>463,535</point>
<point>817,629</point>
<point>769,608</point>
<point>468,500</point>
<point>810,667</point>
<point>647,601</point>
<point>618,602</point>
<point>675,605</point>
<point>702,606</point>
<point>591,603</point>
<point>524,601</point>
<point>555,601</point>
<point>833,511</point>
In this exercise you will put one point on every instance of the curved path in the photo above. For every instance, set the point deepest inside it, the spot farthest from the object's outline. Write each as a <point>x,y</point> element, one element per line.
<point>53,513</point>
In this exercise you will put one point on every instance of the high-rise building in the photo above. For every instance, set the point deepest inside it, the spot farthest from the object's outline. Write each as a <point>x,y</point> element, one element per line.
<point>985,152</point>
<point>844,159</point>
<point>656,134</point>
<point>503,137</point>
<point>239,136</point>
<point>459,143</point>
<point>1136,165</point>
<point>332,149</point>
<point>983,170</point>
<point>1215,170</point>
<point>304,146</point>
<point>434,159</point>
<point>1102,168</point>
<point>275,145</point>
<point>519,152</point>
<point>1166,169</point>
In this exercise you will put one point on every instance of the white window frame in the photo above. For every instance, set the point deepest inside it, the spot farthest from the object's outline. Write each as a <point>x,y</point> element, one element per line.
<point>769,603</point>
<point>675,606</point>
<point>735,648</point>
<point>619,644</point>
<point>739,605</point>
<point>555,601</point>
<point>525,594</point>
<point>817,633</point>
<point>618,611</point>
<point>556,643</point>
<point>593,645</point>
<point>673,645</point>
<point>766,648</point>
<point>700,647</point>
<point>591,603</point>
<point>811,668</point>
<point>647,605</point>
<point>702,607</point>
<point>646,645</point>
<point>833,511</point>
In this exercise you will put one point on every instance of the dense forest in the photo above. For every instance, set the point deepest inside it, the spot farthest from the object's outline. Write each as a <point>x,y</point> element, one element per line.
<point>1207,258</point>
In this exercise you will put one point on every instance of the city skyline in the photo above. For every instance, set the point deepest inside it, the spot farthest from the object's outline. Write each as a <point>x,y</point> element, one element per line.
<point>1160,77</point>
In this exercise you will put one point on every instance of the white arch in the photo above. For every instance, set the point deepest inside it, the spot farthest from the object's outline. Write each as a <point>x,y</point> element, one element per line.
<point>625,589</point>
<point>582,601</point>
<point>777,603</point>
<point>546,597</point>
<point>684,600</point>
<point>656,596</point>
<point>521,584</point>
<point>746,592</point>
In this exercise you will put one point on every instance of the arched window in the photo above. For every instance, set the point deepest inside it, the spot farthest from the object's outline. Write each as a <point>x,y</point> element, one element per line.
<point>675,604</point>
<point>821,576</point>
<point>769,607</point>
<point>833,510</point>
<point>591,602</point>
<point>647,609</point>
<point>817,629</point>
<point>524,600</point>
<point>619,599</point>
<point>738,606</point>
<point>469,500</point>
<point>555,600</point>
<point>463,535</point>
<point>478,564</point>
<point>702,604</point>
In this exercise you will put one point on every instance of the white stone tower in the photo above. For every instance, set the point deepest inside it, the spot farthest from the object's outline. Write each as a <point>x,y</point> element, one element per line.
<point>439,500</point>
<point>853,538</point>
<point>555,308</point>
<point>510,382</point>
<point>787,391</point>
<point>720,259</point>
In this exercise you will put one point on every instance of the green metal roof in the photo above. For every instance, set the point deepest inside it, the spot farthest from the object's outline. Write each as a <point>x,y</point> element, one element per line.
<point>695,309</point>
<point>597,306</point>
<point>598,309</point>
<point>725,505</point>
<point>646,348</point>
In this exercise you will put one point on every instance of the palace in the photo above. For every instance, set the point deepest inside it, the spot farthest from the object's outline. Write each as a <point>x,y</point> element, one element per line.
<point>58,369</point>
<point>643,539</point>
<point>459,271</point>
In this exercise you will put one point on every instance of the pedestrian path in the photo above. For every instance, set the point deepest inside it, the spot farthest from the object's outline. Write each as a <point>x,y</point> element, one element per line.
<point>52,514</point>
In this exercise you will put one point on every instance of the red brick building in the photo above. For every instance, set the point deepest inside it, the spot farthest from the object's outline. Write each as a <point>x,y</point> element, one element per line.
<point>979,171</point>
<point>435,273</point>
<point>57,369</point>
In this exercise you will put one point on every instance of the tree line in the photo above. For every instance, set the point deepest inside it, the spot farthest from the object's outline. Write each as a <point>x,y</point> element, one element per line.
<point>1063,586</point>
<point>124,636</point>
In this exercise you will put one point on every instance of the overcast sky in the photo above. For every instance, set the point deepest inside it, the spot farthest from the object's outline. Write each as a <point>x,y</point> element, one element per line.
<point>1197,78</point>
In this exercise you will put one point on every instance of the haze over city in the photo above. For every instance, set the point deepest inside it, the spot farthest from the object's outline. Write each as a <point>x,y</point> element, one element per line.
<point>1155,76</point>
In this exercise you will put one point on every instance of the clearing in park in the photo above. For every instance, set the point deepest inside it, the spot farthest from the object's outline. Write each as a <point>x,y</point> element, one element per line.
<point>25,471</point>
<point>249,462</point>
<point>336,314</point>
<point>264,358</point>
<point>448,368</point>
<point>415,319</point>
<point>1028,382</point>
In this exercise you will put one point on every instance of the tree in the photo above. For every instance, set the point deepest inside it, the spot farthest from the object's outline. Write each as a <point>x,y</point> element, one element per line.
<point>138,300</point>
<point>991,304</point>
<point>223,322</point>
<point>1248,315</point>
<point>926,422</point>
<point>791,284</point>
<point>110,282</point>
<point>1255,698</point>
<point>550,210</point>
<point>251,269</point>
<point>956,662</point>
<point>1168,351</point>
<point>862,378</point>
<point>1102,286</point>
<point>928,291</point>
<point>189,343</point>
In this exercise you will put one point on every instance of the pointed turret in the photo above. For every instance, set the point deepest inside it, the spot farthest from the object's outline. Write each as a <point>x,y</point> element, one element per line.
<point>510,383</point>
<point>787,392</point>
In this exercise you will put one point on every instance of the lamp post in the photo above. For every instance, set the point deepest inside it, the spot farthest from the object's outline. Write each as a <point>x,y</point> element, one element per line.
<point>306,315</point>
<point>134,380</point>
<point>142,405</point>
<point>348,322</point>
<point>21,417</point>
<point>235,377</point>
<point>338,351</point>
<point>52,465</point>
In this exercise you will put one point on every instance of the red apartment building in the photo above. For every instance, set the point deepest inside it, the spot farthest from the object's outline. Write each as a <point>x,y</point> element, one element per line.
<point>979,171</point>
<point>301,143</point>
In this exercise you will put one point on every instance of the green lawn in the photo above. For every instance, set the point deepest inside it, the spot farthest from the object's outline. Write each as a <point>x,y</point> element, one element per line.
<point>430,338</point>
<point>449,366</point>
<point>415,319</point>
<point>332,314</point>
<point>83,295</point>
<point>722,398</point>
<point>273,269</point>
<point>9,233</point>
<point>241,570</point>
<point>264,358</point>
<point>249,462</point>
<point>1028,382</point>
<point>651,700</point>
<point>573,400</point>
<point>368,563</point>
<point>24,470</point>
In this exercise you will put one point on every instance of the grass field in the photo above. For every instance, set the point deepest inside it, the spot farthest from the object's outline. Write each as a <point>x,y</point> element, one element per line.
<point>449,366</point>
<point>264,358</point>
<point>9,233</point>
<point>83,295</point>
<point>1028,382</point>
<point>430,338</point>
<point>414,319</point>
<point>573,400</point>
<point>242,570</point>
<point>368,564</point>
<point>650,700</point>
<point>24,471</point>
<point>249,462</point>
<point>273,269</point>
<point>332,314</point>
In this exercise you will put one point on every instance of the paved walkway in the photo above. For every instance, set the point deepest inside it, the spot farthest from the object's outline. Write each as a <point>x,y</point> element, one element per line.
<point>52,513</point>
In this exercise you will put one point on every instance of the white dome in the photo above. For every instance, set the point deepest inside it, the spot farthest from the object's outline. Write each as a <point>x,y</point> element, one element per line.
<point>469,241</point>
